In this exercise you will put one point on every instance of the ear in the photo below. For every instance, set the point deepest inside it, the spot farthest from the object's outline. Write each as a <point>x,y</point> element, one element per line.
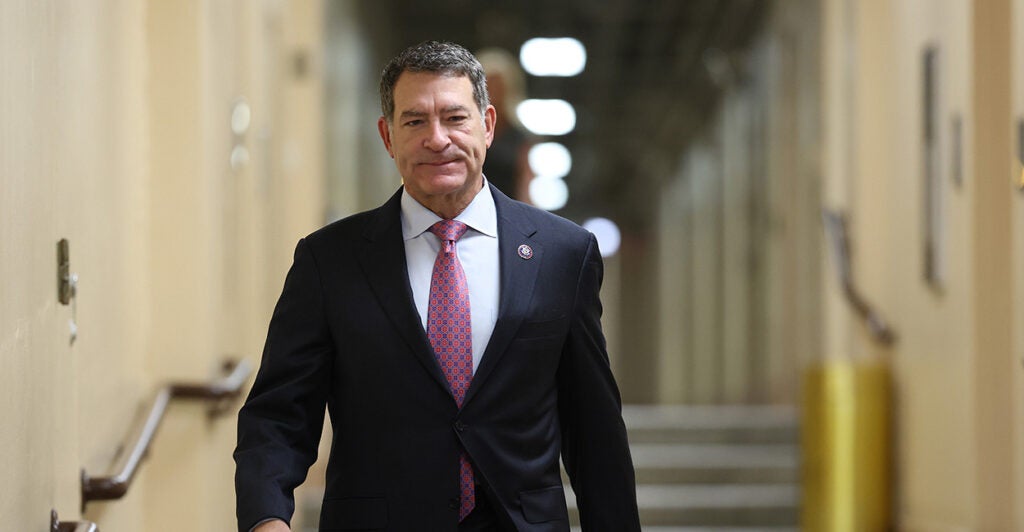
<point>490,119</point>
<point>385,135</point>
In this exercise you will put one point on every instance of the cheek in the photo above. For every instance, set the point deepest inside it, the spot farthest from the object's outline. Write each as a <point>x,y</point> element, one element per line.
<point>403,149</point>
<point>477,143</point>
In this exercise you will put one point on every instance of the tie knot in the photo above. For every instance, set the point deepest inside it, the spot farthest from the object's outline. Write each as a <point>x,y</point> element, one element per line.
<point>449,230</point>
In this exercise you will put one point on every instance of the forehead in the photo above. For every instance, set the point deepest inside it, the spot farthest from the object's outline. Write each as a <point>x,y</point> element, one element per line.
<point>427,88</point>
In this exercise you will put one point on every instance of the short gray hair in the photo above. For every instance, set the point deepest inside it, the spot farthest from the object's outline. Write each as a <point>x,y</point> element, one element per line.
<point>444,58</point>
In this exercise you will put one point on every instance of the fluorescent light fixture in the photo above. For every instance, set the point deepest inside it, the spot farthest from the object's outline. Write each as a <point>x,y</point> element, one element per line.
<point>562,56</point>
<point>547,117</point>
<point>549,194</point>
<point>607,233</point>
<point>550,160</point>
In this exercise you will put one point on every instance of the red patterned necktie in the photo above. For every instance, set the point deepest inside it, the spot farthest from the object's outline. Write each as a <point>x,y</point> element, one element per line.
<point>449,332</point>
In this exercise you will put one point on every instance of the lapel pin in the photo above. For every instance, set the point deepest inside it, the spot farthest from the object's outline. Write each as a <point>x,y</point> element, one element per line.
<point>525,252</point>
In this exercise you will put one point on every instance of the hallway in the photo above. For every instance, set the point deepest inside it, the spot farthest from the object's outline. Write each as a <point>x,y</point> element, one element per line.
<point>811,215</point>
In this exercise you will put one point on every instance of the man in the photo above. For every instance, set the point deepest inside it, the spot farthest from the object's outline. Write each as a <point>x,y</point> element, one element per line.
<point>454,336</point>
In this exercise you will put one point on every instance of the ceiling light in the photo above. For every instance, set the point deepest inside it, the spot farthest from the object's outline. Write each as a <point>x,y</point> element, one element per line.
<point>550,160</point>
<point>607,233</point>
<point>549,194</point>
<point>547,117</point>
<point>563,56</point>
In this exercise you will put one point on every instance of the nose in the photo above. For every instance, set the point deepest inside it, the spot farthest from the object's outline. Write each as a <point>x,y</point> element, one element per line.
<point>437,137</point>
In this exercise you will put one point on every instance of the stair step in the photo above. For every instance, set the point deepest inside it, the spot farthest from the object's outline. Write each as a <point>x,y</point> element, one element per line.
<point>713,464</point>
<point>711,529</point>
<point>734,505</point>
<point>709,464</point>
<point>711,424</point>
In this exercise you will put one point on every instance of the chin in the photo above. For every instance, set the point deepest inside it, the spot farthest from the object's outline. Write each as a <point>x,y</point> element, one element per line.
<point>442,184</point>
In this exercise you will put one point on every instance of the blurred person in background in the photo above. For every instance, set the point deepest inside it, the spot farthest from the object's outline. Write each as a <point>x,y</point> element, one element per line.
<point>507,166</point>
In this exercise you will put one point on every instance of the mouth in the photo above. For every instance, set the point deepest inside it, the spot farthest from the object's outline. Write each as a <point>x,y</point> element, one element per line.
<point>439,164</point>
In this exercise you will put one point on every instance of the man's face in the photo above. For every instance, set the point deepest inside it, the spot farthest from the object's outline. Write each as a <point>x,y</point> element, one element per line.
<point>437,137</point>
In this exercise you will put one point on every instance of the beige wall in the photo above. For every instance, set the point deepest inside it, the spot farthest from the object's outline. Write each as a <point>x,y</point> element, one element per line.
<point>1017,103</point>
<point>931,360</point>
<point>116,136</point>
<point>738,240</point>
<point>956,379</point>
<point>995,365</point>
<point>674,319</point>
<point>71,168</point>
<point>859,150</point>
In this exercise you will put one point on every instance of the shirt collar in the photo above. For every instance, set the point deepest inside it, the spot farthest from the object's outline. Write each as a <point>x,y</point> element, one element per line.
<point>480,215</point>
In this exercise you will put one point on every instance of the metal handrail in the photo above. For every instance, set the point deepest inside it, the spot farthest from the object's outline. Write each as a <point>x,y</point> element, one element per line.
<point>56,525</point>
<point>77,526</point>
<point>835,229</point>
<point>115,486</point>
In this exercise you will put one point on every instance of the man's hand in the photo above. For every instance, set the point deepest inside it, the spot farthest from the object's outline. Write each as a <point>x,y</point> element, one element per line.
<point>276,525</point>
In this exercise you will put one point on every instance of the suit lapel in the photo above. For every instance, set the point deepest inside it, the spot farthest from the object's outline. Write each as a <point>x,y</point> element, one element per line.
<point>384,264</point>
<point>518,278</point>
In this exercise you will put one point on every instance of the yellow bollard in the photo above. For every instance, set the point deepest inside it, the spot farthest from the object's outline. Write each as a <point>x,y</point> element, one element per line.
<point>845,444</point>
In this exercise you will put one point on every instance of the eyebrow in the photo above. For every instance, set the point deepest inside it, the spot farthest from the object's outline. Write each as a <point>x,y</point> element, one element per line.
<point>420,114</point>
<point>412,114</point>
<point>454,108</point>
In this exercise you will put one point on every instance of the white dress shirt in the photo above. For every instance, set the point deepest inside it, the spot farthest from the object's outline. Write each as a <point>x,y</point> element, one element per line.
<point>478,254</point>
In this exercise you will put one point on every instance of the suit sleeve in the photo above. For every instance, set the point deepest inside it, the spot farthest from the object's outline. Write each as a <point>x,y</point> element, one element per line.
<point>280,424</point>
<point>595,449</point>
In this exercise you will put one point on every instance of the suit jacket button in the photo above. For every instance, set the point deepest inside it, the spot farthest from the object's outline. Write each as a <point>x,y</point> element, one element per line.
<point>460,426</point>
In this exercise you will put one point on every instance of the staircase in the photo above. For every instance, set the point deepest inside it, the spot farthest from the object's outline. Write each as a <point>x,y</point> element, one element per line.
<point>713,468</point>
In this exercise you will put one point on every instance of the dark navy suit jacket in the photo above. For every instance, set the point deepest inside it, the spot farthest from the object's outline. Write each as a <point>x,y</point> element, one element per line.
<point>346,335</point>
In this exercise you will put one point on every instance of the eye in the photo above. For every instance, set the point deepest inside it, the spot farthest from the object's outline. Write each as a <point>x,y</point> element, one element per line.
<point>412,123</point>
<point>457,118</point>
